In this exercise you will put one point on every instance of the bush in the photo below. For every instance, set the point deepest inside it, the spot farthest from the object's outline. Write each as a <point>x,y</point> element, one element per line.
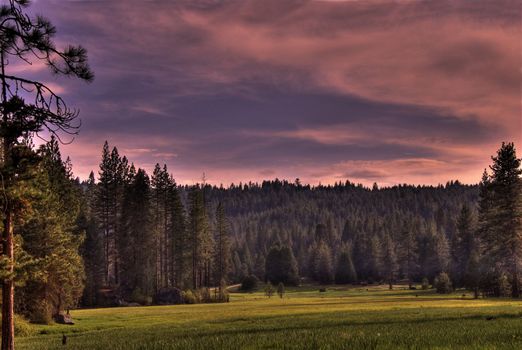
<point>281,289</point>
<point>137,296</point>
<point>269,290</point>
<point>249,283</point>
<point>169,296</point>
<point>222,296</point>
<point>22,327</point>
<point>41,313</point>
<point>443,283</point>
<point>189,297</point>
<point>425,284</point>
<point>204,295</point>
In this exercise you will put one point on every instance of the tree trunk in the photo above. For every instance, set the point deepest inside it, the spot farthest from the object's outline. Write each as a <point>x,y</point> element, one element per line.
<point>8,285</point>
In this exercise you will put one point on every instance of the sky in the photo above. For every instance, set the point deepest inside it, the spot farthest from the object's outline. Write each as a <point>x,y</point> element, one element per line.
<point>391,92</point>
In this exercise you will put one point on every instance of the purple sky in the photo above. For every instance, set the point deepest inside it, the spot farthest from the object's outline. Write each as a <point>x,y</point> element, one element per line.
<point>407,91</point>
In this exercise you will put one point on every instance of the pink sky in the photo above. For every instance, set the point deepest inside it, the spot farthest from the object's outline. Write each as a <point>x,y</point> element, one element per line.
<point>394,92</point>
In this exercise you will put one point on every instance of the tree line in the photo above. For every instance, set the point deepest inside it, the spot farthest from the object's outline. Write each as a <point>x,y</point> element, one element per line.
<point>144,237</point>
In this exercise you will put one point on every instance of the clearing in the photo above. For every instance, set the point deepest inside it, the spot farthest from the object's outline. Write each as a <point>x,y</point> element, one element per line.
<point>341,318</point>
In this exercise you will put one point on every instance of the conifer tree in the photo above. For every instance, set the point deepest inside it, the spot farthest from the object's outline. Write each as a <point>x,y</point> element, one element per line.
<point>323,264</point>
<point>463,244</point>
<point>281,266</point>
<point>178,237</point>
<point>389,260</point>
<point>345,271</point>
<point>53,234</point>
<point>24,37</point>
<point>502,217</point>
<point>92,248</point>
<point>198,226</point>
<point>408,252</point>
<point>137,262</point>
<point>222,249</point>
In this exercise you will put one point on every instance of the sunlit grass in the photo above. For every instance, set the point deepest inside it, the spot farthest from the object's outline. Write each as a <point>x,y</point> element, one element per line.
<point>341,318</point>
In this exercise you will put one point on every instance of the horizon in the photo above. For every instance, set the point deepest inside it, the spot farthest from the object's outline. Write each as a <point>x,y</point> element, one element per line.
<point>341,182</point>
<point>323,91</point>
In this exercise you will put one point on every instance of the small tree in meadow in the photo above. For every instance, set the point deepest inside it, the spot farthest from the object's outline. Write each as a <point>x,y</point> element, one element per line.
<point>269,290</point>
<point>281,289</point>
<point>443,283</point>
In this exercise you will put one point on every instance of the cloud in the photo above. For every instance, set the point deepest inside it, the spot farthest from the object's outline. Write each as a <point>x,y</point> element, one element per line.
<point>303,88</point>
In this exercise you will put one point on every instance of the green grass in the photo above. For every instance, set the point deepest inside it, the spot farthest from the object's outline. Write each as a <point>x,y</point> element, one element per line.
<point>341,318</point>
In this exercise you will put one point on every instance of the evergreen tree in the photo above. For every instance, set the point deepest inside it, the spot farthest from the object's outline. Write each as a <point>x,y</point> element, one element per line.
<point>24,38</point>
<point>161,185</point>
<point>108,198</point>
<point>92,248</point>
<point>408,252</point>
<point>390,266</point>
<point>137,263</point>
<point>345,271</point>
<point>53,235</point>
<point>473,272</point>
<point>463,244</point>
<point>281,266</point>
<point>178,237</point>
<point>323,264</point>
<point>199,238</point>
<point>502,220</point>
<point>222,249</point>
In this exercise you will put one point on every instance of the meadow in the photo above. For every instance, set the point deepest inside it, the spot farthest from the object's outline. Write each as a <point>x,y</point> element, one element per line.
<point>340,318</point>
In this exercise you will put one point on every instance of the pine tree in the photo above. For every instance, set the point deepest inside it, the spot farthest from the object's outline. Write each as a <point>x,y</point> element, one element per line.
<point>345,271</point>
<point>281,266</point>
<point>222,248</point>
<point>408,252</point>
<point>178,237</point>
<point>199,238</point>
<point>92,248</point>
<point>389,260</point>
<point>53,235</point>
<point>25,38</point>
<point>323,264</point>
<point>161,184</point>
<point>137,263</point>
<point>463,244</point>
<point>106,208</point>
<point>502,220</point>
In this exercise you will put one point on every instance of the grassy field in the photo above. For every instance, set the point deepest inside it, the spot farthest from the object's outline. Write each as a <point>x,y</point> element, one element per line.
<point>341,318</point>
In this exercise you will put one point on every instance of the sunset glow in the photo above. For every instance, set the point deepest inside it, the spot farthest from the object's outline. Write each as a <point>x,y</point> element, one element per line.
<point>415,92</point>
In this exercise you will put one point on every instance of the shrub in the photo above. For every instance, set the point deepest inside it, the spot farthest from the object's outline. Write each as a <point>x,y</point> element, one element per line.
<point>223,296</point>
<point>189,297</point>
<point>137,296</point>
<point>41,313</point>
<point>425,284</point>
<point>204,295</point>
<point>269,290</point>
<point>22,327</point>
<point>249,283</point>
<point>443,283</point>
<point>281,289</point>
<point>168,296</point>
